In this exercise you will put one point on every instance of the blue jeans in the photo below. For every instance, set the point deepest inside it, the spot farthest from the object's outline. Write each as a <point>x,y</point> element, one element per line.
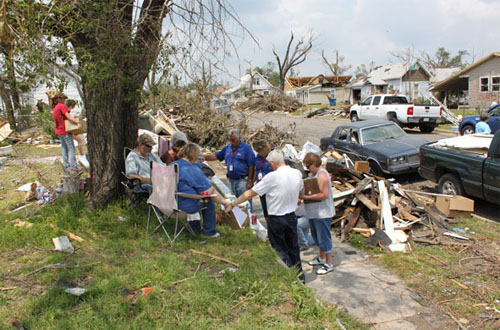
<point>320,230</point>
<point>143,187</point>
<point>303,235</point>
<point>68,147</point>
<point>238,187</point>
<point>208,214</point>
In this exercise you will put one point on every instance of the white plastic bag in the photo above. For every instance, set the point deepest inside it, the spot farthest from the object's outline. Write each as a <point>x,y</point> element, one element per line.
<point>309,147</point>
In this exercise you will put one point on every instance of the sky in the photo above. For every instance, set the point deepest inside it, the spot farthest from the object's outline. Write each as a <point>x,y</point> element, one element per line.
<point>365,30</point>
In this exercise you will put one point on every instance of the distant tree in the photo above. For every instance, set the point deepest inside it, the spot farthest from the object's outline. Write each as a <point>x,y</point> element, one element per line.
<point>293,57</point>
<point>443,59</point>
<point>269,72</point>
<point>363,70</point>
<point>336,66</point>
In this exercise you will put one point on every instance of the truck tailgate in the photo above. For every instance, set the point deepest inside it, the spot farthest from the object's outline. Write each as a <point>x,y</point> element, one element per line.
<point>431,111</point>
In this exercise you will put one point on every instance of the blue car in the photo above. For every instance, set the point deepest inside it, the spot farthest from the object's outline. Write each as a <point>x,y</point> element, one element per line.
<point>468,124</point>
<point>387,148</point>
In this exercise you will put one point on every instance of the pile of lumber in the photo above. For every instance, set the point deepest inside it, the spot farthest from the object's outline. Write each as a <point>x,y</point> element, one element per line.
<point>334,113</point>
<point>386,214</point>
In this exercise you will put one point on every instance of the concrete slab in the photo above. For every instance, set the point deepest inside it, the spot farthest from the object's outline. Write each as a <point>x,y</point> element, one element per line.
<point>368,292</point>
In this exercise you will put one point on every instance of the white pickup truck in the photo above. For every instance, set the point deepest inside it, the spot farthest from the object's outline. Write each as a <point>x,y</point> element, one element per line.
<point>396,108</point>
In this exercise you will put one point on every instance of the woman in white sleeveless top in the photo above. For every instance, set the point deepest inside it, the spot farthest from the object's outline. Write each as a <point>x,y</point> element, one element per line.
<point>320,212</point>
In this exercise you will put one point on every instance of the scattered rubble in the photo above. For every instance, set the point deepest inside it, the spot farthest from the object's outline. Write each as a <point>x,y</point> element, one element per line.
<point>385,213</point>
<point>273,102</point>
<point>335,113</point>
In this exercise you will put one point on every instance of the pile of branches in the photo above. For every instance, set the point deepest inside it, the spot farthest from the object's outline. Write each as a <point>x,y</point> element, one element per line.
<point>275,137</point>
<point>208,127</point>
<point>275,102</point>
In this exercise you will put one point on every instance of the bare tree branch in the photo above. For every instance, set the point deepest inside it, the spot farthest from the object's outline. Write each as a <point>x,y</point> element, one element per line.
<point>298,56</point>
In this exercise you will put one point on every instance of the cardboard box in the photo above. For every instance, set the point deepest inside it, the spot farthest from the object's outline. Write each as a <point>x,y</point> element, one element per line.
<point>311,187</point>
<point>230,219</point>
<point>73,128</point>
<point>455,206</point>
<point>361,166</point>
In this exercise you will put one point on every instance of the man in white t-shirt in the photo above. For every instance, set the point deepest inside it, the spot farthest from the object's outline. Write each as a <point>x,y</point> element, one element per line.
<point>282,188</point>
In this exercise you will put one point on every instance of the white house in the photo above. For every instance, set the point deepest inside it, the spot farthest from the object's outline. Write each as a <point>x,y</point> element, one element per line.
<point>409,78</point>
<point>261,86</point>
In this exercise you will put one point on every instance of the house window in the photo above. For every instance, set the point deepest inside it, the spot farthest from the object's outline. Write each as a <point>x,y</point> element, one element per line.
<point>495,84</point>
<point>256,81</point>
<point>266,92</point>
<point>484,84</point>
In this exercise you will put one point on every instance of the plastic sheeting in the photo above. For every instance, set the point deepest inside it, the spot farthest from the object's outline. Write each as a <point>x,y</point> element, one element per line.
<point>469,142</point>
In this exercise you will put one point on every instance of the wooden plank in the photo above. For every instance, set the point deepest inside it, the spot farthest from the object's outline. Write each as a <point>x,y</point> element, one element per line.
<point>352,219</point>
<point>367,202</point>
<point>339,187</point>
<point>165,125</point>
<point>386,214</point>
<point>362,184</point>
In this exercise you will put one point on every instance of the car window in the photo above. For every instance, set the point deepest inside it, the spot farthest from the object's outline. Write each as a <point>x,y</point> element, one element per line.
<point>353,136</point>
<point>342,134</point>
<point>495,111</point>
<point>395,100</point>
<point>381,133</point>
<point>376,100</point>
<point>367,101</point>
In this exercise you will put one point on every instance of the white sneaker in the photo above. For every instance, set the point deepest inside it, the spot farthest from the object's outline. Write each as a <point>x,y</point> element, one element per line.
<point>317,262</point>
<point>325,270</point>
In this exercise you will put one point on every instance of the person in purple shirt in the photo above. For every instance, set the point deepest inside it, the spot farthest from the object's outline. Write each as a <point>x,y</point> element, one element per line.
<point>262,167</point>
<point>240,162</point>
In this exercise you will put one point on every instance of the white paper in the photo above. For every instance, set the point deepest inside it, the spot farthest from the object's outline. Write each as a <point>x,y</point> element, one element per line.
<point>240,215</point>
<point>27,186</point>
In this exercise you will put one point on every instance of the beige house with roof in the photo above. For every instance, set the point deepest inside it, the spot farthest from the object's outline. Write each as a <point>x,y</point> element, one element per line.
<point>475,86</point>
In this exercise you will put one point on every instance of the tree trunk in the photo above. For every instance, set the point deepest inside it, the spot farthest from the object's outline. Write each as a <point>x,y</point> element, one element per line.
<point>112,124</point>
<point>282,82</point>
<point>5,95</point>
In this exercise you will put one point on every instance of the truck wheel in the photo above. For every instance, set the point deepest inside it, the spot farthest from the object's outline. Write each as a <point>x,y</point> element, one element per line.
<point>354,117</point>
<point>393,118</point>
<point>450,184</point>
<point>467,129</point>
<point>426,128</point>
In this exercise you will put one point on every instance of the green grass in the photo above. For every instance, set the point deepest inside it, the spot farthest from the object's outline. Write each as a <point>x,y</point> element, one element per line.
<point>34,151</point>
<point>116,257</point>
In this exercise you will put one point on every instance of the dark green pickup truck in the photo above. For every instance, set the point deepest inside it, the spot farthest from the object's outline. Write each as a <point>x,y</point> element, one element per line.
<point>463,172</point>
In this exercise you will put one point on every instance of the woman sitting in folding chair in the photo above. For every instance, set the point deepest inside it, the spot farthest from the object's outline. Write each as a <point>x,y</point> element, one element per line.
<point>192,181</point>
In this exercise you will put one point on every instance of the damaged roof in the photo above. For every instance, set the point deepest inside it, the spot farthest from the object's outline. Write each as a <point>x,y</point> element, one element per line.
<point>453,80</point>
<point>335,81</point>
<point>381,74</point>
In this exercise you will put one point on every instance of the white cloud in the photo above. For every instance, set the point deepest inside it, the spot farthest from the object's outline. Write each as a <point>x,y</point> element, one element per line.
<point>367,30</point>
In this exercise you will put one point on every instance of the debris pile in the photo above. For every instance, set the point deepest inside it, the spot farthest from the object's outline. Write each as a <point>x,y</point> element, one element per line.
<point>334,113</point>
<point>389,216</point>
<point>274,102</point>
<point>213,132</point>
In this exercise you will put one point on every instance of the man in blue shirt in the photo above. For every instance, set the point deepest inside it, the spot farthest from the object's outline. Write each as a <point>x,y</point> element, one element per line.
<point>482,126</point>
<point>240,162</point>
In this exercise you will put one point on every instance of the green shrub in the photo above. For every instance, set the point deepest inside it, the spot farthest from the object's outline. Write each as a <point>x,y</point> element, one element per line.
<point>46,122</point>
